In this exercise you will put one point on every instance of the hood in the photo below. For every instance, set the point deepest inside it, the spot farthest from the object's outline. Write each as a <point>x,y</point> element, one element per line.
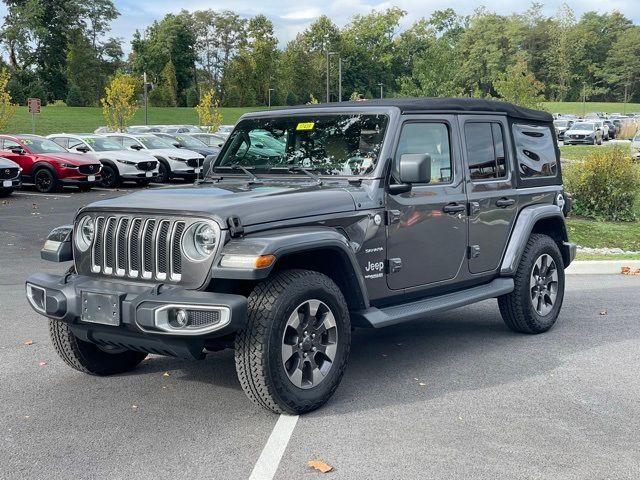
<point>206,151</point>
<point>6,163</point>
<point>129,155</point>
<point>71,158</point>
<point>580,132</point>
<point>253,204</point>
<point>182,153</point>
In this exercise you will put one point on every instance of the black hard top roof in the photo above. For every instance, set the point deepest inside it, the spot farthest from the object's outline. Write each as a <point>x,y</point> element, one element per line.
<point>435,104</point>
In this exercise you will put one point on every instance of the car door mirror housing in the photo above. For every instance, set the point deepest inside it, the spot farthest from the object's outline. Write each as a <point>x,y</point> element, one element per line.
<point>82,149</point>
<point>17,151</point>
<point>415,168</point>
<point>135,147</point>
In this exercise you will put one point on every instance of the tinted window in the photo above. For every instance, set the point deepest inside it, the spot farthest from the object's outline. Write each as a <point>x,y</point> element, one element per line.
<point>535,151</point>
<point>9,144</point>
<point>485,151</point>
<point>62,141</point>
<point>430,138</point>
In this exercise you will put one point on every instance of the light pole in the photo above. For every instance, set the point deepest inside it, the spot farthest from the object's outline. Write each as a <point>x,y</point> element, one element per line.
<point>584,99</point>
<point>269,93</point>
<point>626,89</point>
<point>328,55</point>
<point>381,85</point>
<point>339,79</point>
<point>146,99</point>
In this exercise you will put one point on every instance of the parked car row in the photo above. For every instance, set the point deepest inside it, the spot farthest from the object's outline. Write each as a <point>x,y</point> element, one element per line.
<point>223,131</point>
<point>594,128</point>
<point>107,160</point>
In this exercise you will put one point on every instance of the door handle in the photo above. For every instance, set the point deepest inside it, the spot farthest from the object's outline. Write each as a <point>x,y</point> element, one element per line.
<point>454,208</point>
<point>505,202</point>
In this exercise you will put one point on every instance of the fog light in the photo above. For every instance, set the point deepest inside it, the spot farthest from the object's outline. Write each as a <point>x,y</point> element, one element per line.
<point>182,318</point>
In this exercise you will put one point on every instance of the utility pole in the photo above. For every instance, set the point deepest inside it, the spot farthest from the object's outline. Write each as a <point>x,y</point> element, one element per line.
<point>584,99</point>
<point>339,79</point>
<point>270,90</point>
<point>381,85</point>
<point>146,99</point>
<point>626,88</point>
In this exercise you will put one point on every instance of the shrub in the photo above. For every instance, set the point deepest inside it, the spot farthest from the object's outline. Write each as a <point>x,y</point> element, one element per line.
<point>192,97</point>
<point>74,97</point>
<point>160,97</point>
<point>605,186</point>
<point>58,103</point>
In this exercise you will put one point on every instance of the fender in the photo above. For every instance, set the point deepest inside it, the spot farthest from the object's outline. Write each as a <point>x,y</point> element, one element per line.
<point>287,241</point>
<point>523,228</point>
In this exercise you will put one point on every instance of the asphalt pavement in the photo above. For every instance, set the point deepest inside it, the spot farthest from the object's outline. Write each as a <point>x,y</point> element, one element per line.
<point>454,396</point>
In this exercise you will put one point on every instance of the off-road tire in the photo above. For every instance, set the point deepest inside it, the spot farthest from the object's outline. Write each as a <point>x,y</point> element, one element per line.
<point>258,346</point>
<point>87,357</point>
<point>516,307</point>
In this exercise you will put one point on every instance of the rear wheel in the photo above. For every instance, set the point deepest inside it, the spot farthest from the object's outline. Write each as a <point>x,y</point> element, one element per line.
<point>110,177</point>
<point>87,357</point>
<point>535,303</point>
<point>45,181</point>
<point>292,354</point>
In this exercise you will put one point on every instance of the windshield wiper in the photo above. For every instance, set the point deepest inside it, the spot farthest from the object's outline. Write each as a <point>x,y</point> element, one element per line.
<point>309,173</point>
<point>252,177</point>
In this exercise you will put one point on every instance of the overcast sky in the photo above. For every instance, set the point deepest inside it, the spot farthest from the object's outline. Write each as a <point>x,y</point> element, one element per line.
<point>291,17</point>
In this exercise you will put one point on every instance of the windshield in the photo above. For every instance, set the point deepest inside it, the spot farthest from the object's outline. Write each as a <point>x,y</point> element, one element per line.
<point>582,126</point>
<point>190,142</point>
<point>42,145</point>
<point>346,144</point>
<point>100,144</point>
<point>561,123</point>
<point>155,142</point>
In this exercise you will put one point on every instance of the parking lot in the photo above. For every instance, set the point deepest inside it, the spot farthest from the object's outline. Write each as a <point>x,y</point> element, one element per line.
<point>454,396</point>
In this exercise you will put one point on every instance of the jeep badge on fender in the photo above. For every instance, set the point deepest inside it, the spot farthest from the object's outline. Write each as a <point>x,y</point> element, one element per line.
<point>312,221</point>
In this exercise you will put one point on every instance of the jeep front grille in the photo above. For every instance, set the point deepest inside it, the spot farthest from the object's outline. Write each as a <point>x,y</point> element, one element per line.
<point>145,248</point>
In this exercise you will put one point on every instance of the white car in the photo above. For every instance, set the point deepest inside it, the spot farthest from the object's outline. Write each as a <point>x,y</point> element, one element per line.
<point>635,147</point>
<point>174,162</point>
<point>603,127</point>
<point>118,164</point>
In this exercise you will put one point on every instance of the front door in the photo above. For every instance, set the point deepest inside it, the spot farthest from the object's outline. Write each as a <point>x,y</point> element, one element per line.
<point>490,188</point>
<point>427,227</point>
<point>24,161</point>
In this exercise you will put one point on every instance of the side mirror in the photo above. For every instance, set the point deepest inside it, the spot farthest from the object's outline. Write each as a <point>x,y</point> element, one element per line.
<point>177,145</point>
<point>82,149</point>
<point>259,145</point>
<point>18,151</point>
<point>413,168</point>
<point>135,147</point>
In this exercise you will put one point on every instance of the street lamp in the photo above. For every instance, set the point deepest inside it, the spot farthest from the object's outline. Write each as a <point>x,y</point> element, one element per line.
<point>584,99</point>
<point>381,85</point>
<point>328,55</point>
<point>339,79</point>
<point>269,94</point>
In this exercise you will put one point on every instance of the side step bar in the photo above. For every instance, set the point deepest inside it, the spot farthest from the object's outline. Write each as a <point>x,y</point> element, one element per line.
<point>383,317</point>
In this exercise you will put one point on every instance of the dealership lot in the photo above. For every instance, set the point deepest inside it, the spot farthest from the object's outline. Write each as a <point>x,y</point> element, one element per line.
<point>454,396</point>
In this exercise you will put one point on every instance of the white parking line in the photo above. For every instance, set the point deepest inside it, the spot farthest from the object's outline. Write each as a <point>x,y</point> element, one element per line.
<point>267,465</point>
<point>41,195</point>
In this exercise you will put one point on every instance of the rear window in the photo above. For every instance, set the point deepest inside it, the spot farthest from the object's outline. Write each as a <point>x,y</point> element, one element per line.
<point>535,151</point>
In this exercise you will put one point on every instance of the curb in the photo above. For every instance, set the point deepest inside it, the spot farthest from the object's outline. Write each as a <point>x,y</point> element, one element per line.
<point>601,267</point>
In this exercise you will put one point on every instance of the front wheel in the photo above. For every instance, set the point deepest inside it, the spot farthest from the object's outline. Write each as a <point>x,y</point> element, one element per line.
<point>536,300</point>
<point>89,358</point>
<point>292,353</point>
<point>45,181</point>
<point>110,177</point>
<point>164,173</point>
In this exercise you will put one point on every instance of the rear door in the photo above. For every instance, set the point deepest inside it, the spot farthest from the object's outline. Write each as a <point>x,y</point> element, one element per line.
<point>492,196</point>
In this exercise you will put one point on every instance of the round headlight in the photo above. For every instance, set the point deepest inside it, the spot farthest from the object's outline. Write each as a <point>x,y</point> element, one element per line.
<point>199,241</point>
<point>84,233</point>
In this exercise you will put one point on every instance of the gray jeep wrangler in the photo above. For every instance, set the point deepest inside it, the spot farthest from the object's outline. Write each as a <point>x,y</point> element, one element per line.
<point>310,222</point>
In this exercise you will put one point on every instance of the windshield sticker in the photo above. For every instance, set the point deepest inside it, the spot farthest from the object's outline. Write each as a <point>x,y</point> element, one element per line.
<point>305,126</point>
<point>27,141</point>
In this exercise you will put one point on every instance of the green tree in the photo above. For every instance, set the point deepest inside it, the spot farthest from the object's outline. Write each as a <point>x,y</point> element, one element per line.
<point>119,103</point>
<point>170,82</point>
<point>7,108</point>
<point>83,68</point>
<point>622,67</point>
<point>518,85</point>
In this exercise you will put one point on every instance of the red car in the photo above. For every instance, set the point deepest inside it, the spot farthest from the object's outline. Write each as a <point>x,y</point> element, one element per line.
<point>47,165</point>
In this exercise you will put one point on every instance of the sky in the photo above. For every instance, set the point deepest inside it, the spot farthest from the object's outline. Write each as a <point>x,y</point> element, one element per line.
<point>290,17</point>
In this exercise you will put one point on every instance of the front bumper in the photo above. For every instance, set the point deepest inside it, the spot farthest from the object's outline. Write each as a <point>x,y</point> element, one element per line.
<point>15,183</point>
<point>135,312</point>
<point>579,141</point>
<point>80,181</point>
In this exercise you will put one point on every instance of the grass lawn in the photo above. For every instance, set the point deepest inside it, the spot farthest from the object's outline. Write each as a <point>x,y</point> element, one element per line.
<point>590,233</point>
<point>580,152</point>
<point>576,108</point>
<point>588,256</point>
<point>87,119</point>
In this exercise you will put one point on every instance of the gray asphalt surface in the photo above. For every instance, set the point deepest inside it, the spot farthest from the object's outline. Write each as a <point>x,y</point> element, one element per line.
<point>494,405</point>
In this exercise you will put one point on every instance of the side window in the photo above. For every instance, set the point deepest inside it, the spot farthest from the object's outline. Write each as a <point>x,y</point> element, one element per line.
<point>485,151</point>
<point>535,151</point>
<point>431,138</point>
<point>128,142</point>
<point>9,144</point>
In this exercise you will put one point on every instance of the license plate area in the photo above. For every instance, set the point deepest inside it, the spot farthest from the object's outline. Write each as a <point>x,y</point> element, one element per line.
<point>7,183</point>
<point>148,174</point>
<point>102,308</point>
<point>91,178</point>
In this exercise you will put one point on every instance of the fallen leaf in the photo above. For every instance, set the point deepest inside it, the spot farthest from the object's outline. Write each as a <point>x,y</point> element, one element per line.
<point>28,342</point>
<point>135,407</point>
<point>320,466</point>
<point>422,384</point>
<point>603,312</point>
<point>42,364</point>
<point>385,355</point>
<point>166,374</point>
<point>625,270</point>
